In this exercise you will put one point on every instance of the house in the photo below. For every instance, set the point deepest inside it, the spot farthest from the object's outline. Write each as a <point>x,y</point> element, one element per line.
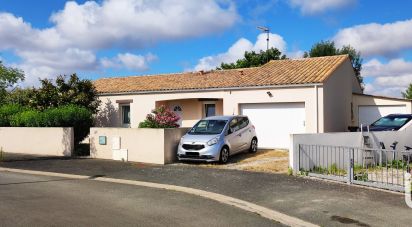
<point>310,95</point>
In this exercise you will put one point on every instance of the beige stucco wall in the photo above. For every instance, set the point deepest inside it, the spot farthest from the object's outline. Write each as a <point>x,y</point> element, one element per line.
<point>231,101</point>
<point>367,100</point>
<point>157,146</point>
<point>337,99</point>
<point>193,109</point>
<point>37,141</point>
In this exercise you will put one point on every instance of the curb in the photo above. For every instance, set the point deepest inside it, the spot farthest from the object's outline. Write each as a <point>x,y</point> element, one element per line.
<point>241,204</point>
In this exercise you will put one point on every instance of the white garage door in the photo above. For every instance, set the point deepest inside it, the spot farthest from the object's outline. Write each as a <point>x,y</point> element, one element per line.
<point>274,122</point>
<point>369,114</point>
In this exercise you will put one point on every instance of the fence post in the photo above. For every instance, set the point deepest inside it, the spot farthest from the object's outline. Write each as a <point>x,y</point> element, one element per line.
<point>351,154</point>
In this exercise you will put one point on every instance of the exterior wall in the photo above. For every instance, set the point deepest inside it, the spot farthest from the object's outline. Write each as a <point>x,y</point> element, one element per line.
<point>338,97</point>
<point>37,141</point>
<point>368,100</point>
<point>231,100</point>
<point>157,146</point>
<point>193,109</point>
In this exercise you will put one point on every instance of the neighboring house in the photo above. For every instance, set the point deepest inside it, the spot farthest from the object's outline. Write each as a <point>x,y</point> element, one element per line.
<point>281,97</point>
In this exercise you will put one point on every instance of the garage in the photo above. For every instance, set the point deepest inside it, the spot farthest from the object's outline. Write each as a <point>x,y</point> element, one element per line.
<point>369,114</point>
<point>274,122</point>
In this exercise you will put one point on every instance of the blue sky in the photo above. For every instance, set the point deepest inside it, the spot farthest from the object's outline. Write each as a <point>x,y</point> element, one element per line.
<point>137,37</point>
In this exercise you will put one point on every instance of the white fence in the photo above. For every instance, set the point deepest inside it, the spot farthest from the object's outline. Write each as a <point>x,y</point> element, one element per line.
<point>37,141</point>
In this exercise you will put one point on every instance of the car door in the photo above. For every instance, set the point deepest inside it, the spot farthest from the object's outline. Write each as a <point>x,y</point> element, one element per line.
<point>233,137</point>
<point>244,133</point>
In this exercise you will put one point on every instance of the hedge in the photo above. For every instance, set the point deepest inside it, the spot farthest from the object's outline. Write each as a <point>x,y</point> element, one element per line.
<point>80,118</point>
<point>7,111</point>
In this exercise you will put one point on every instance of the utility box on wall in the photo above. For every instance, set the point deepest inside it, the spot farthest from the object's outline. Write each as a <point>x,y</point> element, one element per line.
<point>156,146</point>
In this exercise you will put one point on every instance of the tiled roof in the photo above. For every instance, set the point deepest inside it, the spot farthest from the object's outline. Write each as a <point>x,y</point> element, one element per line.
<point>276,72</point>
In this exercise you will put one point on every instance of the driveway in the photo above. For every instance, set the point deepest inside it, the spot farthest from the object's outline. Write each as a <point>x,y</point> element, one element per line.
<point>28,200</point>
<point>319,202</point>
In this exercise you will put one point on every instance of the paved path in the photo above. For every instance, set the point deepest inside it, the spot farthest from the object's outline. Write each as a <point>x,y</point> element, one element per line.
<point>323,203</point>
<point>29,200</point>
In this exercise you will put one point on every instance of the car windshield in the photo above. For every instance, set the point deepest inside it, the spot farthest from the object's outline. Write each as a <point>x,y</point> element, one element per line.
<point>390,121</point>
<point>208,127</point>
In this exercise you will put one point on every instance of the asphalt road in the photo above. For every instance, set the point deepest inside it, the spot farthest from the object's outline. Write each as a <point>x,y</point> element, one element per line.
<point>315,201</point>
<point>27,200</point>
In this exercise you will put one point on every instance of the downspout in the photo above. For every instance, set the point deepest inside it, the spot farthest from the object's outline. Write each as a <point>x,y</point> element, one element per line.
<point>317,108</point>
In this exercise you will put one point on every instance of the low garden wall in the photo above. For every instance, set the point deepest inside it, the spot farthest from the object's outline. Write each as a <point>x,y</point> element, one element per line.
<point>389,140</point>
<point>37,141</point>
<point>157,146</point>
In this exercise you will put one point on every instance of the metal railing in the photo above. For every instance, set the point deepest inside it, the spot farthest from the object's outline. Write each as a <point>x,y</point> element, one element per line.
<point>371,167</point>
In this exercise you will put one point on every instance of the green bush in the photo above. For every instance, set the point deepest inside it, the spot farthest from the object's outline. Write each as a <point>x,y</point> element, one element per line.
<point>7,111</point>
<point>28,118</point>
<point>80,118</point>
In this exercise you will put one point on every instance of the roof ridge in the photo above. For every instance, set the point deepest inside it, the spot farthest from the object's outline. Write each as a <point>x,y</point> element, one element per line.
<point>180,73</point>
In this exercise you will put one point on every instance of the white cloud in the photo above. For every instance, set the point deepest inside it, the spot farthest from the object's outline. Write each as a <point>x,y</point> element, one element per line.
<point>377,39</point>
<point>134,23</point>
<point>389,78</point>
<point>237,51</point>
<point>395,67</point>
<point>129,61</point>
<point>81,30</point>
<point>311,7</point>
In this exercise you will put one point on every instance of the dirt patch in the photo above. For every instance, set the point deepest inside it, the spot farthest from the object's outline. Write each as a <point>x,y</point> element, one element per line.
<point>272,161</point>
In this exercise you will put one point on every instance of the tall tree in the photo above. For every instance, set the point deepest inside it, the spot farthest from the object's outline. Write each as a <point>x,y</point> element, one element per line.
<point>253,59</point>
<point>8,77</point>
<point>328,48</point>
<point>408,93</point>
<point>65,91</point>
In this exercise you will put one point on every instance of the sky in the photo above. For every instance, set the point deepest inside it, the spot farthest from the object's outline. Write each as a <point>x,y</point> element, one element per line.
<point>106,38</point>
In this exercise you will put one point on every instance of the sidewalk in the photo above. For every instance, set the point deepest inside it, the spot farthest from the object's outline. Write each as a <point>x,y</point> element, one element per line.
<point>319,202</point>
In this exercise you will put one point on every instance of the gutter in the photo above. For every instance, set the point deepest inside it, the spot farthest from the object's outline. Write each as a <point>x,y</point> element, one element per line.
<point>212,89</point>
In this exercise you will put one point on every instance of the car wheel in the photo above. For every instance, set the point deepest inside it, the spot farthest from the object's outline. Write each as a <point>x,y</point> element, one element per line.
<point>253,146</point>
<point>224,155</point>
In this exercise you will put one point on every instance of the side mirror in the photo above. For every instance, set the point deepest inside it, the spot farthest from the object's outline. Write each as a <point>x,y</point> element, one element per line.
<point>229,131</point>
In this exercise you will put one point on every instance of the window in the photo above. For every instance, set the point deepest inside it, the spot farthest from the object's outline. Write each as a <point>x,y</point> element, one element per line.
<point>243,122</point>
<point>177,109</point>
<point>234,125</point>
<point>208,127</point>
<point>210,109</point>
<point>126,115</point>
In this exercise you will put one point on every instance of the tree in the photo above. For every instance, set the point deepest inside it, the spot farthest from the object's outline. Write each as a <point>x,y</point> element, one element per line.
<point>253,59</point>
<point>408,93</point>
<point>328,48</point>
<point>71,91</point>
<point>8,77</point>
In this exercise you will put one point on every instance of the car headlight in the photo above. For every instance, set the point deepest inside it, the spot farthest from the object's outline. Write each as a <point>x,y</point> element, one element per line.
<point>213,141</point>
<point>181,141</point>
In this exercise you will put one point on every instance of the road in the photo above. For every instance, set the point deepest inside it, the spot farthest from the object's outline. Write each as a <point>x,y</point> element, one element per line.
<point>51,201</point>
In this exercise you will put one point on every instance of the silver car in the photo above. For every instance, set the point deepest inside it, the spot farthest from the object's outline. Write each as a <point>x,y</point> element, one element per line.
<point>216,138</point>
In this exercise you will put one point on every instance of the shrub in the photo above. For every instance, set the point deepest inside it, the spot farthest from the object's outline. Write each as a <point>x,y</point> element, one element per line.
<point>80,118</point>
<point>7,111</point>
<point>28,118</point>
<point>161,117</point>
